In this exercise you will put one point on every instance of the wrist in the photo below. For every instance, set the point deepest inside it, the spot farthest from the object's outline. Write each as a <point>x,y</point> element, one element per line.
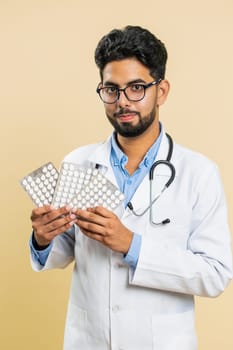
<point>38,246</point>
<point>128,243</point>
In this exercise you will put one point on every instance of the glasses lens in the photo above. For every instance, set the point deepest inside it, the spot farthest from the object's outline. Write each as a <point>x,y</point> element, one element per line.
<point>135,92</point>
<point>109,94</point>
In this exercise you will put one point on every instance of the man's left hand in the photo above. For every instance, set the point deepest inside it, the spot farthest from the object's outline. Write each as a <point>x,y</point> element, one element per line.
<point>104,226</point>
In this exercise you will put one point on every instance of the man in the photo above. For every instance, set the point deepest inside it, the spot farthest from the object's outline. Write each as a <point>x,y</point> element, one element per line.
<point>138,269</point>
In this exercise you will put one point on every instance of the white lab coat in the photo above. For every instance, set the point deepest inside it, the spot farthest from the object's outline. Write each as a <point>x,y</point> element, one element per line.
<point>113,307</point>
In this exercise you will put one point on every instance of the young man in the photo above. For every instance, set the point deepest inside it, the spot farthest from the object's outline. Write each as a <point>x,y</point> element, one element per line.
<point>138,269</point>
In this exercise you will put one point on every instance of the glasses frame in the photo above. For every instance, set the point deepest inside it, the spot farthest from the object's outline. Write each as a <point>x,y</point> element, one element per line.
<point>145,87</point>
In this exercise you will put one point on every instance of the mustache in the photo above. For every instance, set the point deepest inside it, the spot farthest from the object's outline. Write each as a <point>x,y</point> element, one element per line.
<point>124,111</point>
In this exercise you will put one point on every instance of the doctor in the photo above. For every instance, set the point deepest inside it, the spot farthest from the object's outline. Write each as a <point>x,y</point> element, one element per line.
<point>134,280</point>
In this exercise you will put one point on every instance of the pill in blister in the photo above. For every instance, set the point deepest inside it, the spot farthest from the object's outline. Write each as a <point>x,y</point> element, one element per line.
<point>121,196</point>
<point>40,184</point>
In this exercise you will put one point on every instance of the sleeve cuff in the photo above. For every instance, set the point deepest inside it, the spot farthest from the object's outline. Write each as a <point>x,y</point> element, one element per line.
<point>39,255</point>
<point>131,258</point>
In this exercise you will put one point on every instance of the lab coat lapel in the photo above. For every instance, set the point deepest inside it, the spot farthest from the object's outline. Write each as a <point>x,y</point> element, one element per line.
<point>101,157</point>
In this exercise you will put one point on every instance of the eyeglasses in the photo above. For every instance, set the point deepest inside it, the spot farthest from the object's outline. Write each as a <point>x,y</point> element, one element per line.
<point>133,92</point>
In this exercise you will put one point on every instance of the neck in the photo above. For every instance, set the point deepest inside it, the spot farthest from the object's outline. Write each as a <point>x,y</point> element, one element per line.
<point>133,146</point>
<point>136,147</point>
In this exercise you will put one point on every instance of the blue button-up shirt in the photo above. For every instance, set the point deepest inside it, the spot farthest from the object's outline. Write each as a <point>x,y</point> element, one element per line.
<point>128,184</point>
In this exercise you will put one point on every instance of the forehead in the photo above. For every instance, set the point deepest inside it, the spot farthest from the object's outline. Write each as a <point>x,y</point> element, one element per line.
<point>126,70</point>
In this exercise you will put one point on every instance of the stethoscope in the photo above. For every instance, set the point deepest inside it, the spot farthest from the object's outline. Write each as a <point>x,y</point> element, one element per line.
<point>168,183</point>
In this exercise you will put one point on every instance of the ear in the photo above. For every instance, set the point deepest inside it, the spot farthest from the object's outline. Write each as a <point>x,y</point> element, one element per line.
<point>163,90</point>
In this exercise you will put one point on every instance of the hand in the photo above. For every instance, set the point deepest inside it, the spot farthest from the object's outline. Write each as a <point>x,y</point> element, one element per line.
<point>48,222</point>
<point>104,226</point>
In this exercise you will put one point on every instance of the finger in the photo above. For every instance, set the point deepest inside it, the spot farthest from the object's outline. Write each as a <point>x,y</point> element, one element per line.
<point>104,212</point>
<point>52,215</point>
<point>44,238</point>
<point>60,222</point>
<point>61,229</point>
<point>57,213</point>
<point>99,211</point>
<point>91,227</point>
<point>94,236</point>
<point>90,216</point>
<point>38,211</point>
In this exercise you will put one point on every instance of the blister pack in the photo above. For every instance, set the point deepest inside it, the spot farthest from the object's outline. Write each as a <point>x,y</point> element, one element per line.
<point>75,185</point>
<point>41,183</point>
<point>84,187</point>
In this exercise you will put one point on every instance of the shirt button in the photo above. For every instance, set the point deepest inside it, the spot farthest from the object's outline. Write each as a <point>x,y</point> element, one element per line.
<point>119,265</point>
<point>129,182</point>
<point>115,308</point>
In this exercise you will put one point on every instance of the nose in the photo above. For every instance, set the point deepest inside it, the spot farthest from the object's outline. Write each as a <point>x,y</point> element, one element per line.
<point>123,100</point>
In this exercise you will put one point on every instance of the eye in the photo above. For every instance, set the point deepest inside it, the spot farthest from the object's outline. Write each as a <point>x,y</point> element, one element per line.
<point>110,90</point>
<point>137,87</point>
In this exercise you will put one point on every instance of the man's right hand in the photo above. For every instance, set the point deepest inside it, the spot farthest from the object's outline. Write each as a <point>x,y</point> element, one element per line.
<point>48,222</point>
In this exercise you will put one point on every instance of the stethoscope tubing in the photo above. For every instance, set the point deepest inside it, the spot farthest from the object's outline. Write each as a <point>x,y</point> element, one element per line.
<point>151,177</point>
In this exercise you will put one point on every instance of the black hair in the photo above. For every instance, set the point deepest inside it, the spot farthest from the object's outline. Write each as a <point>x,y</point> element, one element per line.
<point>132,41</point>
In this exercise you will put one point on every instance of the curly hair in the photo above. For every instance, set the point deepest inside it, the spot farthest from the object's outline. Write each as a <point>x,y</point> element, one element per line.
<point>132,41</point>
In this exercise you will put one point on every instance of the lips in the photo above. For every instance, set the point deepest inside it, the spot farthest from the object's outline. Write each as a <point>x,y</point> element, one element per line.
<point>125,115</point>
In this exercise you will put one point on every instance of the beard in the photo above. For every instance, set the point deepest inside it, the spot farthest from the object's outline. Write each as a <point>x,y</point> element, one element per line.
<point>129,130</point>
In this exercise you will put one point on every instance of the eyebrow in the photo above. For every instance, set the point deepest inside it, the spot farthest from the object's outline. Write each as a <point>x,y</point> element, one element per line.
<point>135,81</point>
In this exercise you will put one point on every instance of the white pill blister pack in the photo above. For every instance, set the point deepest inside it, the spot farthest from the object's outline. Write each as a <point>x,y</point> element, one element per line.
<point>75,185</point>
<point>41,183</point>
<point>85,187</point>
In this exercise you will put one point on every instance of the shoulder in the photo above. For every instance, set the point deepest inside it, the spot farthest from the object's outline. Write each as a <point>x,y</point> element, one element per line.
<point>81,153</point>
<point>198,172</point>
<point>96,152</point>
<point>193,162</point>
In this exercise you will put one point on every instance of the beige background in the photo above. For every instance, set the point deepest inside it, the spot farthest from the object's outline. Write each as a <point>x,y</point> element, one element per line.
<point>48,106</point>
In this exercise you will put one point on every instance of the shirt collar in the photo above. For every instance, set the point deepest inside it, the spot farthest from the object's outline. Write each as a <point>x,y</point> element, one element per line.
<point>118,157</point>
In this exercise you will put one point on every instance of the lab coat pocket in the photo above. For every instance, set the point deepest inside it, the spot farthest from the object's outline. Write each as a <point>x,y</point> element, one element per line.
<point>174,331</point>
<point>76,325</point>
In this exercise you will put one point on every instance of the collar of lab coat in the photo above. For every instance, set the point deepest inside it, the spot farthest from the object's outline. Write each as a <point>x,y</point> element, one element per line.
<point>101,156</point>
